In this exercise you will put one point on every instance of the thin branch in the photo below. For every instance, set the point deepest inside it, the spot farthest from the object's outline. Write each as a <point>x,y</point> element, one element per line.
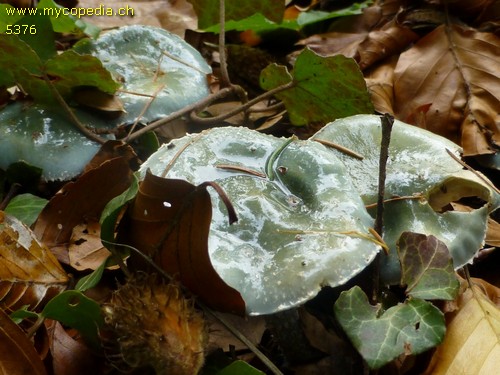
<point>271,366</point>
<point>225,81</point>
<point>182,112</point>
<point>243,107</point>
<point>402,198</point>
<point>82,128</point>
<point>143,111</point>
<point>387,121</point>
<point>340,148</point>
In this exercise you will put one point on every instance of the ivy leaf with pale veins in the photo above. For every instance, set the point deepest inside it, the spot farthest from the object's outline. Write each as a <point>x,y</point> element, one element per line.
<point>427,267</point>
<point>324,88</point>
<point>409,328</point>
<point>208,10</point>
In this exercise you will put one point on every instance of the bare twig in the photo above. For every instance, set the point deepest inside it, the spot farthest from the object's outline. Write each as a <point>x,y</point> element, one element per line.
<point>182,112</point>
<point>387,122</point>
<point>225,81</point>
<point>340,148</point>
<point>143,111</point>
<point>76,122</point>
<point>243,107</point>
<point>394,199</point>
<point>236,333</point>
<point>14,188</point>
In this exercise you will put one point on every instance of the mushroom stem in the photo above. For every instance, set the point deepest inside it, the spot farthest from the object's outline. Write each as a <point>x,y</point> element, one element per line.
<point>287,330</point>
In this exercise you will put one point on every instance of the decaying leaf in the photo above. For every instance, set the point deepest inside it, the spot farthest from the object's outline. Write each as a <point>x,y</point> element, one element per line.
<point>17,354</point>
<point>471,344</point>
<point>85,249</point>
<point>29,273</point>
<point>81,202</point>
<point>427,267</point>
<point>169,221</point>
<point>380,337</point>
<point>362,38</point>
<point>449,76</point>
<point>69,355</point>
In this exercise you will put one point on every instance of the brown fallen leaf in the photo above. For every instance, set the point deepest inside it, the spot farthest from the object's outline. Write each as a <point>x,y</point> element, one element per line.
<point>69,356</point>
<point>81,202</point>
<point>17,353</point>
<point>86,250</point>
<point>450,77</point>
<point>252,327</point>
<point>472,341</point>
<point>29,272</point>
<point>380,84</point>
<point>93,98</point>
<point>169,220</point>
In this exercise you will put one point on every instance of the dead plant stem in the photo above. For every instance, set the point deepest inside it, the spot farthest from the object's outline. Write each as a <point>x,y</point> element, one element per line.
<point>76,122</point>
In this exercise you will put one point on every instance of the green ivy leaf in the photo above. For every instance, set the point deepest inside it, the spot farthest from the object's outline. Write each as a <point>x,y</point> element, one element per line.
<point>324,88</point>
<point>26,207</point>
<point>380,337</point>
<point>75,310</point>
<point>208,10</point>
<point>427,267</point>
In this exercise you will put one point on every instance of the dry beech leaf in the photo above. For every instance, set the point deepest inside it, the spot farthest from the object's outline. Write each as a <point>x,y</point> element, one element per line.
<point>29,272</point>
<point>390,39</point>
<point>86,250</point>
<point>449,79</point>
<point>473,332</point>
<point>17,354</point>
<point>169,220</point>
<point>81,202</point>
<point>173,15</point>
<point>380,81</point>
<point>348,33</point>
<point>110,150</point>
<point>69,356</point>
<point>98,100</point>
<point>470,9</point>
<point>360,40</point>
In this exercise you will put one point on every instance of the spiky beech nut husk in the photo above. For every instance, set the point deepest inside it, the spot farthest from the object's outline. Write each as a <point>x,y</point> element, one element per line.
<point>152,324</point>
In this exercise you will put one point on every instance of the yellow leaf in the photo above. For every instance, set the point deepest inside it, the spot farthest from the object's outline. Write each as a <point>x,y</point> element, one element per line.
<point>29,273</point>
<point>472,341</point>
